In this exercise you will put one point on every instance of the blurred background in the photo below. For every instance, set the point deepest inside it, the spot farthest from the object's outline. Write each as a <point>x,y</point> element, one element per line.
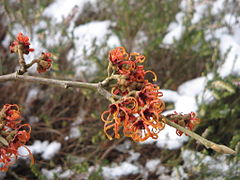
<point>192,45</point>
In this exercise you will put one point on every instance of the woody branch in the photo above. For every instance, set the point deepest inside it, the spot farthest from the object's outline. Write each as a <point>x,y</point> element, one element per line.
<point>99,87</point>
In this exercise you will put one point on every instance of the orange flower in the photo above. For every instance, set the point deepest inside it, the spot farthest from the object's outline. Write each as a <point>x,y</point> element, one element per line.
<point>44,62</point>
<point>126,67</point>
<point>138,114</point>
<point>193,121</point>
<point>188,121</point>
<point>12,112</point>
<point>117,55</point>
<point>23,42</point>
<point>137,58</point>
<point>139,130</point>
<point>22,135</point>
<point>13,136</point>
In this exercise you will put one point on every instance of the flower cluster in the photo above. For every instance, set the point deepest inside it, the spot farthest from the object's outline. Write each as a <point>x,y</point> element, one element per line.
<point>44,62</point>
<point>21,42</point>
<point>13,135</point>
<point>188,121</point>
<point>21,46</point>
<point>137,112</point>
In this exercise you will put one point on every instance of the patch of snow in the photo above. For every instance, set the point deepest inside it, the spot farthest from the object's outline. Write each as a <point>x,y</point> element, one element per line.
<point>85,34</point>
<point>57,172</point>
<point>217,6</point>
<point>230,19</point>
<point>231,64</point>
<point>173,35</point>
<point>124,147</point>
<point>169,95</point>
<point>48,150</point>
<point>6,41</point>
<point>161,170</point>
<point>219,164</point>
<point>33,119</point>
<point>178,173</point>
<point>195,86</point>
<point>175,29</point>
<point>186,104</point>
<point>50,174</point>
<point>51,150</point>
<point>185,98</point>
<point>66,174</point>
<point>189,158</point>
<point>165,177</point>
<point>96,31</point>
<point>199,11</point>
<point>152,164</point>
<point>80,117</point>
<point>134,156</point>
<point>38,147</point>
<point>124,169</point>
<point>74,132</point>
<point>179,18</point>
<point>168,139</point>
<point>60,9</point>
<point>205,97</point>
<point>32,94</point>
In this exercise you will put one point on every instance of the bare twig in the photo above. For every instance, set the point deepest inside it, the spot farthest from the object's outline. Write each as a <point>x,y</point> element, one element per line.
<point>21,61</point>
<point>58,83</point>
<point>47,81</point>
<point>103,156</point>
<point>112,77</point>
<point>32,63</point>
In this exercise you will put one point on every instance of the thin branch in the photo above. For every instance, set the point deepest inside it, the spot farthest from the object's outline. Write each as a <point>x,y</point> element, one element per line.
<point>58,83</point>
<point>105,93</point>
<point>47,81</point>
<point>208,144</point>
<point>21,60</point>
<point>32,63</point>
<point>106,81</point>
